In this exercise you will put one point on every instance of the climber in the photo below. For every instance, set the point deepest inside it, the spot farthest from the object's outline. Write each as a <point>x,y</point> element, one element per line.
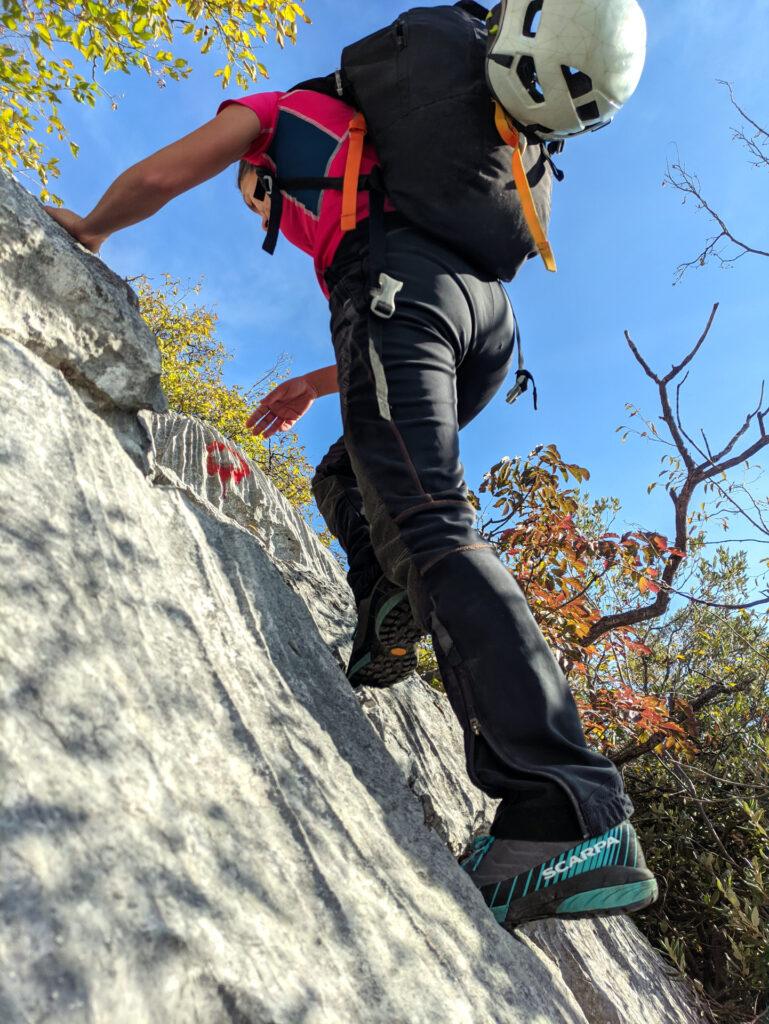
<point>423,335</point>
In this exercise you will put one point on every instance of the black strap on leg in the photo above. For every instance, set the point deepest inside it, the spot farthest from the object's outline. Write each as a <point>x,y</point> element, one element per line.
<point>377,236</point>
<point>383,288</point>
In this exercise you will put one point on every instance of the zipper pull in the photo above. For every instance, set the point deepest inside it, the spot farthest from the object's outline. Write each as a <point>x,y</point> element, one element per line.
<point>475,725</point>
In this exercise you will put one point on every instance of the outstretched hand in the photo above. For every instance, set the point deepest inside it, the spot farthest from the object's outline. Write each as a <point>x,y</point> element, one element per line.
<point>75,225</point>
<point>280,410</point>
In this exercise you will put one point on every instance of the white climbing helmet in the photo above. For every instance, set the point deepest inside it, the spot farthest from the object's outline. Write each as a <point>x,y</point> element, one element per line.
<point>564,67</point>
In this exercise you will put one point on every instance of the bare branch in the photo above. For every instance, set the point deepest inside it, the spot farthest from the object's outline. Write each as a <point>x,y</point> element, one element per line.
<point>646,368</point>
<point>717,604</point>
<point>675,370</point>
<point>661,383</point>
<point>743,429</point>
<point>754,144</point>
<point>748,453</point>
<point>737,540</point>
<point>678,773</point>
<point>688,183</point>
<point>678,405</point>
<point>738,108</point>
<point>717,466</point>
<point>729,782</point>
<point>759,523</point>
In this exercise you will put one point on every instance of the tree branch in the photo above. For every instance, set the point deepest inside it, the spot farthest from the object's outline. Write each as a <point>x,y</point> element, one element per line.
<point>695,475</point>
<point>635,750</point>
<point>678,773</point>
<point>754,147</point>
<point>744,428</point>
<point>717,604</point>
<point>675,370</point>
<point>689,184</point>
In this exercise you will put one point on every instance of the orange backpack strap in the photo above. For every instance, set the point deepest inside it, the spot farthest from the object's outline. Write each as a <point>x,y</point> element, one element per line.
<point>510,135</point>
<point>352,173</point>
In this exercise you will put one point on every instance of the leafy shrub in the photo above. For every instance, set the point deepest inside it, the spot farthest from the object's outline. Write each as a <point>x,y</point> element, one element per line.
<point>193,362</point>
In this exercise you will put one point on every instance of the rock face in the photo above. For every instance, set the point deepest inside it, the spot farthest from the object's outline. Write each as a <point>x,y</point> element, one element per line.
<point>200,821</point>
<point>69,309</point>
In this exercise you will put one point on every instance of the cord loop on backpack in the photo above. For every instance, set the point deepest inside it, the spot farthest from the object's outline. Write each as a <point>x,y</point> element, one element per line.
<point>522,378</point>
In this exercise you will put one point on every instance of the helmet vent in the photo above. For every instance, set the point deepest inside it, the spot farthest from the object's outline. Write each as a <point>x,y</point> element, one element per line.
<point>531,20</point>
<point>527,72</point>
<point>588,112</point>
<point>578,82</point>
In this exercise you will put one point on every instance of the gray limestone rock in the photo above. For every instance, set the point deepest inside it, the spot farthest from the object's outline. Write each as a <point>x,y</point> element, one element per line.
<point>198,821</point>
<point>66,305</point>
<point>419,729</point>
<point>614,974</point>
<point>414,721</point>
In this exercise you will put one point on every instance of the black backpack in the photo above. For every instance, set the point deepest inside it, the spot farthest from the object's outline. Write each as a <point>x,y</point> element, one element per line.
<point>420,83</point>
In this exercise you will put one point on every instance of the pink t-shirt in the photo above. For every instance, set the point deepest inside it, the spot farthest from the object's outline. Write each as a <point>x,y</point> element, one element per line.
<point>306,135</point>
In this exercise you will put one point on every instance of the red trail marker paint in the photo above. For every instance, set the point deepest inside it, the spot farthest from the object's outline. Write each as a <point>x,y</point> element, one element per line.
<point>227,463</point>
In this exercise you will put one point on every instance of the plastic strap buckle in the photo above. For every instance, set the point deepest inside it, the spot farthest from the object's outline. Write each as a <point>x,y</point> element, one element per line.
<point>383,296</point>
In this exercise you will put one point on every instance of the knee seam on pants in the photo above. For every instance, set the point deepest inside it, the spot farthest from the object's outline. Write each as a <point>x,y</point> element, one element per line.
<point>465,547</point>
<point>431,503</point>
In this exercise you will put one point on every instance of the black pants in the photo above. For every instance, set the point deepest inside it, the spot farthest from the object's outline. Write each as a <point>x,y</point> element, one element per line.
<point>392,491</point>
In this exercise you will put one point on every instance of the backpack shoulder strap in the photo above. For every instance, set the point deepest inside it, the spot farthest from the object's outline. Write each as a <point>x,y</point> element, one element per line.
<point>333,85</point>
<point>350,185</point>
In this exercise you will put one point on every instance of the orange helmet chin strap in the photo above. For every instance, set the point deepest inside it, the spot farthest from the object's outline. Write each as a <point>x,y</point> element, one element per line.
<point>511,136</point>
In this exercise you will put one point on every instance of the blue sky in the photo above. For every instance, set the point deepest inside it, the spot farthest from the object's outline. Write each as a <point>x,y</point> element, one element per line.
<point>617,233</point>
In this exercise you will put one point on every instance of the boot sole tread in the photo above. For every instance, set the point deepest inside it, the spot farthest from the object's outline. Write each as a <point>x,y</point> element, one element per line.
<point>396,629</point>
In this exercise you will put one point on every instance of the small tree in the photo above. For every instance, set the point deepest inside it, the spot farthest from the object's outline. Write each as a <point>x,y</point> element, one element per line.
<point>49,49</point>
<point>192,378</point>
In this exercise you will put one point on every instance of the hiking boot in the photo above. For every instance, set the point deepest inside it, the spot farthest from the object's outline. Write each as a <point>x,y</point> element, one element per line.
<point>528,880</point>
<point>384,646</point>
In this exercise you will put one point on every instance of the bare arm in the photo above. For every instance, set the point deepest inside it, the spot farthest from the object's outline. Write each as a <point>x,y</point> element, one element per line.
<point>324,380</point>
<point>147,186</point>
<point>289,401</point>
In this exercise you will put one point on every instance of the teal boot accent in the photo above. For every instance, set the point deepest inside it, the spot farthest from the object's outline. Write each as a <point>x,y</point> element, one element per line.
<point>605,874</point>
